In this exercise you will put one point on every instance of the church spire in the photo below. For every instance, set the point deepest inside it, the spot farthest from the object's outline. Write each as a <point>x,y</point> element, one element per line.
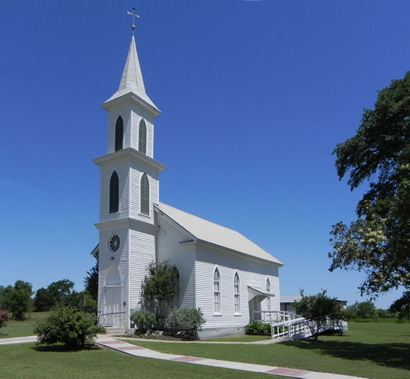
<point>132,81</point>
<point>132,76</point>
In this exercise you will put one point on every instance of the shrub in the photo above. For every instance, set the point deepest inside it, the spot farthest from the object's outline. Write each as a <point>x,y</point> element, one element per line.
<point>258,328</point>
<point>4,317</point>
<point>144,320</point>
<point>69,326</point>
<point>366,309</point>
<point>185,322</point>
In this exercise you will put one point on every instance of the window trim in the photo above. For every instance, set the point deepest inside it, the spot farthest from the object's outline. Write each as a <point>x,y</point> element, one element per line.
<point>217,305</point>
<point>237,295</point>
<point>142,143</point>
<point>148,186</point>
<point>268,289</point>
<point>116,208</point>
<point>117,145</point>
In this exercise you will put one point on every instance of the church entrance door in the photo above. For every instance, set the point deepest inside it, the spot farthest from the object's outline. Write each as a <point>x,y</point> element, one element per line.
<point>255,309</point>
<point>112,314</point>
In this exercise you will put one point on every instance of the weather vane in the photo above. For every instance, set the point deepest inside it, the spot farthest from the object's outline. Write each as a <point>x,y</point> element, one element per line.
<point>134,15</point>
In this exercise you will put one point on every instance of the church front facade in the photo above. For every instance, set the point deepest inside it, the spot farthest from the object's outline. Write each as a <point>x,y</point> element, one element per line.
<point>222,272</point>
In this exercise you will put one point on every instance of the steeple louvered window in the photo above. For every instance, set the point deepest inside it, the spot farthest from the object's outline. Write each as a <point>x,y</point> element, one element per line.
<point>144,194</point>
<point>142,138</point>
<point>114,193</point>
<point>119,133</point>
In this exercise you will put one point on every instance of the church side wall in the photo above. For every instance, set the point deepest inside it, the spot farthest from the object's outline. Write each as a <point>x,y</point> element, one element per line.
<point>251,273</point>
<point>142,253</point>
<point>169,248</point>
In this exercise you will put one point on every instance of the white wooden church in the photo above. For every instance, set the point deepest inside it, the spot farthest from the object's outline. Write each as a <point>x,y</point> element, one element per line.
<point>229,277</point>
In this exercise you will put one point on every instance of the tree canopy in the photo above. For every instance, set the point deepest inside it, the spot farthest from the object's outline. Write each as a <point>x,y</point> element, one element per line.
<point>378,241</point>
<point>402,306</point>
<point>159,288</point>
<point>317,309</point>
<point>16,299</point>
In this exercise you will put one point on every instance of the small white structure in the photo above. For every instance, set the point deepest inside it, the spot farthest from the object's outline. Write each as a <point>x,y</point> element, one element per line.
<point>226,275</point>
<point>287,303</point>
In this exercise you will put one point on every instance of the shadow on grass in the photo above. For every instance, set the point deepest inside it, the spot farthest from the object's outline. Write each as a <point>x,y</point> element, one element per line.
<point>386,354</point>
<point>62,348</point>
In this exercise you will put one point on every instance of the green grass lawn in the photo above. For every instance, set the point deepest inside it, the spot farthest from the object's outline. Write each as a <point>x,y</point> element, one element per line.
<point>372,350</point>
<point>240,339</point>
<point>27,361</point>
<point>22,328</point>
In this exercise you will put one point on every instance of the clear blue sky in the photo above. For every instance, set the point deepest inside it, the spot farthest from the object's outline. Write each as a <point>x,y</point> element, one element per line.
<point>254,97</point>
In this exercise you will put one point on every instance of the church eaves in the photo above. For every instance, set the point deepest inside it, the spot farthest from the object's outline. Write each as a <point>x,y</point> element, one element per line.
<point>132,81</point>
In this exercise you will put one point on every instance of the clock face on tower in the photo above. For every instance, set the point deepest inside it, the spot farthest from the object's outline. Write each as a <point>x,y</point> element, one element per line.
<point>114,243</point>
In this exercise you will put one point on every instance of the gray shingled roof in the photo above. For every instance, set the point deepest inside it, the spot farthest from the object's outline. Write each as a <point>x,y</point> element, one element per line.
<point>215,234</point>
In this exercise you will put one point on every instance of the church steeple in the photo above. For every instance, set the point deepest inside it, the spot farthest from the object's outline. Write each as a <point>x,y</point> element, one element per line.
<point>132,81</point>
<point>132,76</point>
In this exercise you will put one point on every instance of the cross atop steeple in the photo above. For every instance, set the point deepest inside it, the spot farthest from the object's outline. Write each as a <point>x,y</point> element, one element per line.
<point>134,15</point>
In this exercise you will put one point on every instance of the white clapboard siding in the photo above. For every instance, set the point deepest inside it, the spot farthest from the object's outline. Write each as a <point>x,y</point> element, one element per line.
<point>251,272</point>
<point>170,248</point>
<point>142,253</point>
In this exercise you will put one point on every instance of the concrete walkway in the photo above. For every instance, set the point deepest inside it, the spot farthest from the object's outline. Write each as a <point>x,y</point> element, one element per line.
<point>17,340</point>
<point>130,349</point>
<point>260,342</point>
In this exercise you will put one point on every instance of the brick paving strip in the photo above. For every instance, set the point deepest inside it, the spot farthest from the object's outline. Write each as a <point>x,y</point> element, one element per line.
<point>137,351</point>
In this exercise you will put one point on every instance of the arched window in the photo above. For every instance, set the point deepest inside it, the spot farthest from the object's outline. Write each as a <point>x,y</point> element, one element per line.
<point>114,193</point>
<point>142,139</point>
<point>119,133</point>
<point>236,293</point>
<point>217,291</point>
<point>144,194</point>
<point>268,289</point>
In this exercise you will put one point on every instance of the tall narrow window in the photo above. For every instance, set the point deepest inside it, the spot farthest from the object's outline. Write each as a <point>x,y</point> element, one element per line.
<point>236,293</point>
<point>114,193</point>
<point>145,194</point>
<point>119,133</point>
<point>142,139</point>
<point>217,291</point>
<point>268,289</point>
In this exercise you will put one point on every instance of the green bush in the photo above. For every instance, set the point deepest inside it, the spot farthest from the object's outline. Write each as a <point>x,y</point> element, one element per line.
<point>143,320</point>
<point>258,328</point>
<point>4,317</point>
<point>69,326</point>
<point>185,322</point>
